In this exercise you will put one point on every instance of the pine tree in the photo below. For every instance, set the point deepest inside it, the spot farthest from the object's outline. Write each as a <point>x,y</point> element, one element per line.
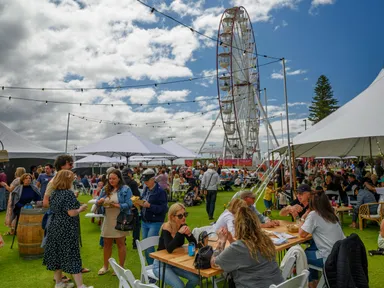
<point>323,102</point>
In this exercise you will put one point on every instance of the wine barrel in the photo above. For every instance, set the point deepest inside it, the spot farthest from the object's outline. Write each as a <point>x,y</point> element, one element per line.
<point>30,234</point>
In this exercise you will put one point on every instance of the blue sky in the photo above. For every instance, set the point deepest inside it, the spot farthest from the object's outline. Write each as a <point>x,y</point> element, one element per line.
<point>109,42</point>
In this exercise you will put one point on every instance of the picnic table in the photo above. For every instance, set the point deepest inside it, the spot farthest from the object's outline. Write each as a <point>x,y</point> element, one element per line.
<point>180,258</point>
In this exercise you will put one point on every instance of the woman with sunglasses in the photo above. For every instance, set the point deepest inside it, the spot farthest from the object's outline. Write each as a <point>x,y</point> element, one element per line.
<point>173,234</point>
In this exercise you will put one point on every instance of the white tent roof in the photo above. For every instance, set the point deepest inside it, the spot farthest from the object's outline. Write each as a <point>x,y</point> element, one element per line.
<point>178,150</point>
<point>20,147</point>
<point>100,159</point>
<point>349,130</point>
<point>125,144</point>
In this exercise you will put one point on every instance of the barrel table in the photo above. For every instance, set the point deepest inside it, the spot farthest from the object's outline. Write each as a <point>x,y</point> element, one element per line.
<point>30,234</point>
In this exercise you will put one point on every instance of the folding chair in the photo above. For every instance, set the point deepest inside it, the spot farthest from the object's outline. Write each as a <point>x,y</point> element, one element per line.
<point>299,281</point>
<point>138,284</point>
<point>146,271</point>
<point>122,273</point>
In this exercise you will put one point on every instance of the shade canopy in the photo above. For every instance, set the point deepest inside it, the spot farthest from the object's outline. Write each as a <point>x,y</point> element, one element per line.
<point>20,147</point>
<point>125,144</point>
<point>99,159</point>
<point>354,129</point>
<point>178,151</point>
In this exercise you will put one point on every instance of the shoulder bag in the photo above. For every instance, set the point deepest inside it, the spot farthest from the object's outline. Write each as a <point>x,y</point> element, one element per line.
<point>203,258</point>
<point>125,222</point>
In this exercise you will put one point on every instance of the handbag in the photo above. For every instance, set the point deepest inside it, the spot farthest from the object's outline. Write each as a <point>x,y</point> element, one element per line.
<point>203,258</point>
<point>125,222</point>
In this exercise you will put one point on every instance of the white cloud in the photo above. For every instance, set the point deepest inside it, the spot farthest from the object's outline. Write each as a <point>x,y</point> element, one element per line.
<point>283,24</point>
<point>315,4</point>
<point>185,7</point>
<point>322,2</point>
<point>261,10</point>
<point>279,74</point>
<point>167,96</point>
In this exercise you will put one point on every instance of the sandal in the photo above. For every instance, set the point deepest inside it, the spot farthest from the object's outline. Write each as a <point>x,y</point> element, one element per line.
<point>102,271</point>
<point>9,233</point>
<point>85,270</point>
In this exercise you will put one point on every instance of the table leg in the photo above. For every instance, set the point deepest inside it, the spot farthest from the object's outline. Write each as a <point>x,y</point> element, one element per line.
<point>163,276</point>
<point>213,282</point>
<point>201,281</point>
<point>342,217</point>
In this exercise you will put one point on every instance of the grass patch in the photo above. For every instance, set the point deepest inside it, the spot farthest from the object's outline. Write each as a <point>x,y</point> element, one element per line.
<point>19,273</point>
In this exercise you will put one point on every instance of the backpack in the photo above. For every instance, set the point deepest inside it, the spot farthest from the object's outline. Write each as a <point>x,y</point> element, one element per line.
<point>188,199</point>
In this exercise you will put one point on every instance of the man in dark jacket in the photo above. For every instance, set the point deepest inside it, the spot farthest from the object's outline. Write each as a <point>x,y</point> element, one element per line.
<point>153,209</point>
<point>128,179</point>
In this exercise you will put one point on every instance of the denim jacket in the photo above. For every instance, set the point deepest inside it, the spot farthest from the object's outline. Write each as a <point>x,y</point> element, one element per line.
<point>124,195</point>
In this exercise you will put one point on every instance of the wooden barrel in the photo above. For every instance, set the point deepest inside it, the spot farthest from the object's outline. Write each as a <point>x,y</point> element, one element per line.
<point>30,234</point>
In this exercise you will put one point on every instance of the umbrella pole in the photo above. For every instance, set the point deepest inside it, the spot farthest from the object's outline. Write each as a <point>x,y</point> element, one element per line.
<point>370,153</point>
<point>170,186</point>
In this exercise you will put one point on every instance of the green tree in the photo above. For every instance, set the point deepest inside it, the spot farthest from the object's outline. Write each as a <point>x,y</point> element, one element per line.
<point>323,102</point>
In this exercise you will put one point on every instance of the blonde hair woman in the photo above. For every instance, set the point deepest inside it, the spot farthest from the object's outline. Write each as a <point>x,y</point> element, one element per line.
<point>16,182</point>
<point>173,234</point>
<point>251,259</point>
<point>62,250</point>
<point>226,219</point>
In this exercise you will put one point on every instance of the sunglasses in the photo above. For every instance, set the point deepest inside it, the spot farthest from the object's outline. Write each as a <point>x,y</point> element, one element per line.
<point>180,216</point>
<point>70,164</point>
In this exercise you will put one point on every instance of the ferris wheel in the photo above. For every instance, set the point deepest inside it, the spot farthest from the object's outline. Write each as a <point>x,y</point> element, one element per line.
<point>238,84</point>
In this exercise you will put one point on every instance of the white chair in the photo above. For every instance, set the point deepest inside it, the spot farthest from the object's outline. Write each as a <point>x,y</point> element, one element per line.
<point>124,283</point>
<point>351,202</point>
<point>299,281</point>
<point>332,193</point>
<point>322,279</point>
<point>122,273</point>
<point>146,271</point>
<point>289,264</point>
<point>138,284</point>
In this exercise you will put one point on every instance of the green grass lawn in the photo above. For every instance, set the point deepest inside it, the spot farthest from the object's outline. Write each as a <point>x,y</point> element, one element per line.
<point>18,273</point>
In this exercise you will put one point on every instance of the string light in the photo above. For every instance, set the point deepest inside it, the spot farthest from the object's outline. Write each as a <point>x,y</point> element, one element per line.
<point>200,33</point>
<point>156,84</point>
<point>146,124</point>
<point>107,104</point>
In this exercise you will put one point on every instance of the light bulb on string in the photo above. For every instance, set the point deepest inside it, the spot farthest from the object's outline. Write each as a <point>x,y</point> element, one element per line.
<point>46,102</point>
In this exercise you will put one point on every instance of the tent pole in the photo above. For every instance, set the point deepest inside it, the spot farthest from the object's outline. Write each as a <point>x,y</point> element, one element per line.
<point>266,126</point>
<point>370,153</point>
<point>293,170</point>
<point>287,118</point>
<point>66,138</point>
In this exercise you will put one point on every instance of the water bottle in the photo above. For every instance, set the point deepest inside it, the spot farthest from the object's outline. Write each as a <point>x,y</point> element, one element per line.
<point>191,249</point>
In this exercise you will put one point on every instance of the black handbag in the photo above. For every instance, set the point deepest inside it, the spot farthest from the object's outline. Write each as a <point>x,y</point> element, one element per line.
<point>203,258</point>
<point>125,222</point>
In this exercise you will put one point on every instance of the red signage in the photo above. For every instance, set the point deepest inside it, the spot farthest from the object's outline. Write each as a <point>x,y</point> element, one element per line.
<point>188,163</point>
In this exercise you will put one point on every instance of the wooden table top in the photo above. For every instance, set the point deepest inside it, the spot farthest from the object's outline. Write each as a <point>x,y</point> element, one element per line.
<point>179,257</point>
<point>343,208</point>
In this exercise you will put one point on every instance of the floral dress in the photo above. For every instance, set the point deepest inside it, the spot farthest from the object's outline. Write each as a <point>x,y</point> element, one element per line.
<point>62,250</point>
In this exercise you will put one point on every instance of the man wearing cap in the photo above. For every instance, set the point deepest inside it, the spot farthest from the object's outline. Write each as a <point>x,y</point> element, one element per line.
<point>209,184</point>
<point>299,206</point>
<point>128,179</point>
<point>363,197</point>
<point>154,208</point>
<point>249,198</point>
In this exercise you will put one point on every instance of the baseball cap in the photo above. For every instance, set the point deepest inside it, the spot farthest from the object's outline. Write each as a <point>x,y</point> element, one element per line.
<point>127,171</point>
<point>245,194</point>
<point>304,188</point>
<point>148,174</point>
<point>381,180</point>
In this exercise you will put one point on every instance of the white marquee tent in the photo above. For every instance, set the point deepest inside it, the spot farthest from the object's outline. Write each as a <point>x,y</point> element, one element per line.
<point>20,147</point>
<point>91,159</point>
<point>126,145</point>
<point>355,129</point>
